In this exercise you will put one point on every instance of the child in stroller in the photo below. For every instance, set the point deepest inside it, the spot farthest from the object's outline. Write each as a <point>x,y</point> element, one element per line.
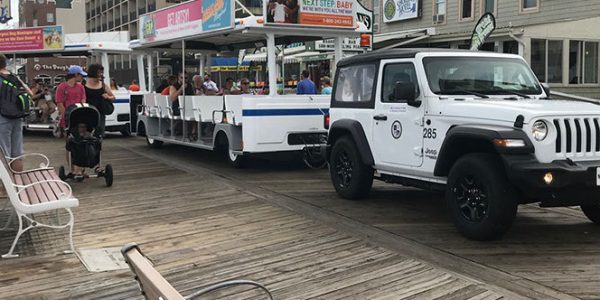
<point>83,145</point>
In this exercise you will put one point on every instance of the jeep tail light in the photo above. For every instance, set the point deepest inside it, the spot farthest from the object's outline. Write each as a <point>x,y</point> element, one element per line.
<point>326,120</point>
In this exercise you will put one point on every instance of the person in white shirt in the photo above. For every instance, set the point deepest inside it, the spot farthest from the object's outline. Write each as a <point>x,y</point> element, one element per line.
<point>279,12</point>
<point>210,86</point>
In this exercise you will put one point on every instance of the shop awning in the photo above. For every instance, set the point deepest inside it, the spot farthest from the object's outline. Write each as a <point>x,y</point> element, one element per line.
<point>289,53</point>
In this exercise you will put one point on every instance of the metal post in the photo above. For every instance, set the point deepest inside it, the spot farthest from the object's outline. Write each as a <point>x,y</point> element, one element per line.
<point>150,73</point>
<point>140,66</point>
<point>182,105</point>
<point>272,64</point>
<point>201,64</point>
<point>106,66</point>
<point>283,68</point>
<point>15,63</point>
<point>338,51</point>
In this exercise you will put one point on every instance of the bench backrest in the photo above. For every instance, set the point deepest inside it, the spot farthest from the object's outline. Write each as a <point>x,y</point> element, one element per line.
<point>153,285</point>
<point>163,103</point>
<point>8,179</point>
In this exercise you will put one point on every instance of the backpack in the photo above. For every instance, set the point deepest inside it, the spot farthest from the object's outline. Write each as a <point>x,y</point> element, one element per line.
<point>14,100</point>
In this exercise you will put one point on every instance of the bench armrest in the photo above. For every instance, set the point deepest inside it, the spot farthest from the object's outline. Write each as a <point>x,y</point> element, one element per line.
<point>22,188</point>
<point>45,164</point>
<point>228,283</point>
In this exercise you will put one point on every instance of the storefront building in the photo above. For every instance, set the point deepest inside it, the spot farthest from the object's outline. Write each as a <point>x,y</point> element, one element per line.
<point>560,39</point>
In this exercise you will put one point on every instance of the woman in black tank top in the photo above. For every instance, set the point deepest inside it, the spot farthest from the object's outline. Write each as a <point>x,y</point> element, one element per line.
<point>96,92</point>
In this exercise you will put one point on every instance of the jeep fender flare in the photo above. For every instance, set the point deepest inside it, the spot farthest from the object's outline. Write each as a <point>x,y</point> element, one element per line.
<point>356,131</point>
<point>460,140</point>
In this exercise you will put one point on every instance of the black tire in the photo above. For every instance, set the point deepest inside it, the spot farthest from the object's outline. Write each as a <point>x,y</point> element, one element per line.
<point>235,160</point>
<point>62,174</point>
<point>153,143</point>
<point>125,131</point>
<point>592,212</point>
<point>482,202</point>
<point>108,175</point>
<point>350,176</point>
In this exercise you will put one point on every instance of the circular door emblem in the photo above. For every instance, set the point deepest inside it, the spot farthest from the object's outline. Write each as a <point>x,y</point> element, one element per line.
<point>389,9</point>
<point>396,129</point>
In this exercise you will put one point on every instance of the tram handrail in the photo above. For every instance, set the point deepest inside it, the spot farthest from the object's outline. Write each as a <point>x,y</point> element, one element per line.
<point>225,114</point>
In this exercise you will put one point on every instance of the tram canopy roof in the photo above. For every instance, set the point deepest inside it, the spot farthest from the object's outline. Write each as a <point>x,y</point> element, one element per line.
<point>250,32</point>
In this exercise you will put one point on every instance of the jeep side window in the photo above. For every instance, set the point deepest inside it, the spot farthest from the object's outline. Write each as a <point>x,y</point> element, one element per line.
<point>393,73</point>
<point>355,83</point>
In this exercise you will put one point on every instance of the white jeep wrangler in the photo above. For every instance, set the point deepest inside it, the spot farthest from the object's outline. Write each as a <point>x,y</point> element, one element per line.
<point>476,125</point>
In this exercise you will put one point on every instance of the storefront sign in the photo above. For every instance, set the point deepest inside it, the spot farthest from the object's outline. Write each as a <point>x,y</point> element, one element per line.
<point>347,45</point>
<point>186,19</point>
<point>483,29</point>
<point>324,13</point>
<point>398,10</point>
<point>32,39</point>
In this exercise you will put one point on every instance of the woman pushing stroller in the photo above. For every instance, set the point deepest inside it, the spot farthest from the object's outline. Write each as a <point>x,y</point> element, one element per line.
<point>79,120</point>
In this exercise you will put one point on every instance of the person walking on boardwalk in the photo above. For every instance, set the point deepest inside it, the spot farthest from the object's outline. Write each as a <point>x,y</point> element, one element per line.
<point>96,93</point>
<point>306,86</point>
<point>11,129</point>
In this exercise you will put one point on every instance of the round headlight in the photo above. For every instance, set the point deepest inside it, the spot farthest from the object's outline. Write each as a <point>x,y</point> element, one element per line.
<point>539,130</point>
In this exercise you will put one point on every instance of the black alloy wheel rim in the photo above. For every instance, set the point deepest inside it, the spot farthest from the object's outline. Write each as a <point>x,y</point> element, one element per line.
<point>343,168</point>
<point>471,198</point>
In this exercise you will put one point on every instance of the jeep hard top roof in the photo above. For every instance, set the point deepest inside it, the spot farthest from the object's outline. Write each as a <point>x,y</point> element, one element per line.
<point>393,53</point>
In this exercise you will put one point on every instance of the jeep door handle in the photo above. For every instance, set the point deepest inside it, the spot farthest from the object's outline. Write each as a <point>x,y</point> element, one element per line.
<point>380,117</point>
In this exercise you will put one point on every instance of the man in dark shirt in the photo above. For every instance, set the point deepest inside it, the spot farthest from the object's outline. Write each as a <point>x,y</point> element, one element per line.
<point>306,86</point>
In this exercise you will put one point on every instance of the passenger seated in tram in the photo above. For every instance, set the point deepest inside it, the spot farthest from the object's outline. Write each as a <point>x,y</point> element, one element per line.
<point>229,89</point>
<point>210,87</point>
<point>198,85</point>
<point>245,87</point>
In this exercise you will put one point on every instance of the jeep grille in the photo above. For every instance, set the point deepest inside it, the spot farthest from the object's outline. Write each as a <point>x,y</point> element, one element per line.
<point>577,136</point>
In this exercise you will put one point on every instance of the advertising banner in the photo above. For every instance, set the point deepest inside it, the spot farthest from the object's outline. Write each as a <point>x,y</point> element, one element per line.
<point>398,10</point>
<point>323,13</point>
<point>39,39</point>
<point>186,19</point>
<point>483,30</point>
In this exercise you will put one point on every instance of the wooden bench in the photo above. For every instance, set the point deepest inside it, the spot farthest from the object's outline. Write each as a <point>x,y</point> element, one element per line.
<point>154,286</point>
<point>32,192</point>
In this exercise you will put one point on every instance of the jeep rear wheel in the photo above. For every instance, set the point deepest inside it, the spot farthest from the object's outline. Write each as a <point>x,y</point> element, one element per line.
<point>481,200</point>
<point>351,178</point>
<point>592,212</point>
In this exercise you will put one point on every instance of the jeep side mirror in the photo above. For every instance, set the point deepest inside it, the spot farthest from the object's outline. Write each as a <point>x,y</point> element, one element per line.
<point>406,91</point>
<point>546,88</point>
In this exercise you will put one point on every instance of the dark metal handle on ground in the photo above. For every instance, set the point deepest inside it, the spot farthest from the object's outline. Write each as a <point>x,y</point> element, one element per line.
<point>314,154</point>
<point>228,284</point>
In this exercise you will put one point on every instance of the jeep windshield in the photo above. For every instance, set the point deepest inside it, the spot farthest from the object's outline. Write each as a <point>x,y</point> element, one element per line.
<point>480,76</point>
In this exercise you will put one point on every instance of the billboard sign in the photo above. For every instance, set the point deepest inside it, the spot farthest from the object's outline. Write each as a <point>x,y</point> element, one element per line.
<point>34,39</point>
<point>186,19</point>
<point>398,10</point>
<point>322,13</point>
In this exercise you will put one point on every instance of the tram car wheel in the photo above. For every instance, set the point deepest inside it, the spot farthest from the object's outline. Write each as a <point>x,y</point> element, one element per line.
<point>108,175</point>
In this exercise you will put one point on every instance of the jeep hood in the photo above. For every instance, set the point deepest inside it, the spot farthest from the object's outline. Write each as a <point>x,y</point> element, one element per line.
<point>508,110</point>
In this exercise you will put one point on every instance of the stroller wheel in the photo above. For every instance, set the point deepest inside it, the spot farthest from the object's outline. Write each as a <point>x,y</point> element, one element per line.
<point>108,175</point>
<point>61,173</point>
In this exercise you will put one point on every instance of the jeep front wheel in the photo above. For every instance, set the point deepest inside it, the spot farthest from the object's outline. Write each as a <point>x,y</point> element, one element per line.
<point>592,212</point>
<point>481,200</point>
<point>350,176</point>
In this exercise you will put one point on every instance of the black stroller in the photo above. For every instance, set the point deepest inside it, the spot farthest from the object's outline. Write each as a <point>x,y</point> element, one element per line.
<point>82,145</point>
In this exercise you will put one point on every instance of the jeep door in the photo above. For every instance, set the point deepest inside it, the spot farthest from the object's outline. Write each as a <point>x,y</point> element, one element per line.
<point>397,125</point>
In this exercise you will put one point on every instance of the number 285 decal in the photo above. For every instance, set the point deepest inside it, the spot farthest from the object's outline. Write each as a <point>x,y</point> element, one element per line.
<point>429,133</point>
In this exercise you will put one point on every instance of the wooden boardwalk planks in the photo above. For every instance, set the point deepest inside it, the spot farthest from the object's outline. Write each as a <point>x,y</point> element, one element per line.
<point>198,230</point>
